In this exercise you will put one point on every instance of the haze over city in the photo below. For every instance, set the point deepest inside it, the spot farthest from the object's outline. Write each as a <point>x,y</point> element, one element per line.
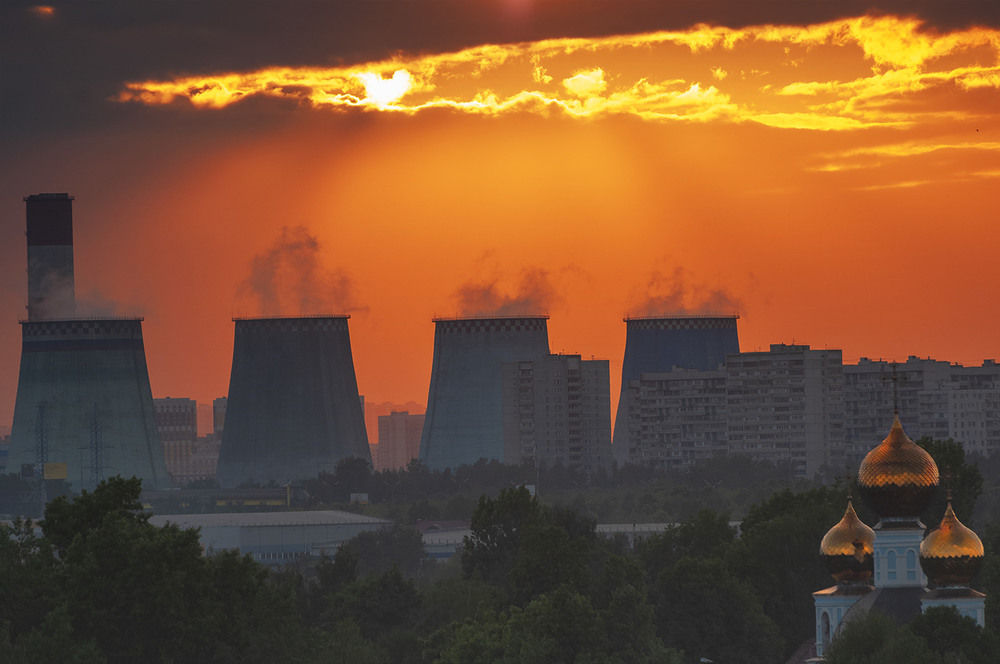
<point>829,173</point>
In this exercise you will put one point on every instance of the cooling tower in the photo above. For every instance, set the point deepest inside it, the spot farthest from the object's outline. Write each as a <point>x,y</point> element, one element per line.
<point>658,344</point>
<point>293,409</point>
<point>83,399</point>
<point>464,420</point>
<point>51,290</point>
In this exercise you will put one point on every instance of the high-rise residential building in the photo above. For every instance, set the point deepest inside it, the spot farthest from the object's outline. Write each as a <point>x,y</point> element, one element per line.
<point>557,410</point>
<point>398,440</point>
<point>787,405</point>
<point>781,405</point>
<point>677,418</point>
<point>874,388</point>
<point>660,344</point>
<point>177,423</point>
<point>965,408</point>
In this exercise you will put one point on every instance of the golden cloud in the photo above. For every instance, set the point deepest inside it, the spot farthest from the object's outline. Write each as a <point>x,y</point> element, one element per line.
<point>899,74</point>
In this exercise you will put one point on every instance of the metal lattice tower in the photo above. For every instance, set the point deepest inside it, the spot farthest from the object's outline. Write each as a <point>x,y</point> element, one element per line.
<point>96,452</point>
<point>41,440</point>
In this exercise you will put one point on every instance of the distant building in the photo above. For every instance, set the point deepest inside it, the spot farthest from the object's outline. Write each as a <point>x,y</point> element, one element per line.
<point>557,410</point>
<point>398,440</point>
<point>786,405</point>
<point>660,344</point>
<point>275,538</point>
<point>936,399</point>
<point>782,405</point>
<point>177,424</point>
<point>677,418</point>
<point>869,393</point>
<point>176,419</point>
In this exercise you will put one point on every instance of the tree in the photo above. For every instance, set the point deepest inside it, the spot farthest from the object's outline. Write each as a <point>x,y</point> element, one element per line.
<point>706,535</point>
<point>963,479</point>
<point>778,555</point>
<point>955,637</point>
<point>705,610</point>
<point>115,497</point>
<point>557,627</point>
<point>497,525</point>
<point>377,551</point>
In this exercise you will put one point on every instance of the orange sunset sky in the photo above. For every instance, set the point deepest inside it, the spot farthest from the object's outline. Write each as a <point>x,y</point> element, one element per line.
<point>833,177</point>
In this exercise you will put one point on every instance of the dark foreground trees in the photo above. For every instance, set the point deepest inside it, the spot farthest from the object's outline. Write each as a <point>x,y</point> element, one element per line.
<point>103,585</point>
<point>99,583</point>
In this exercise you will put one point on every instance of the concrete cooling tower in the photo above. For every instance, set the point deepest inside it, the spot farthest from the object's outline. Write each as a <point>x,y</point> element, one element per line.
<point>293,408</point>
<point>84,400</point>
<point>464,420</point>
<point>658,344</point>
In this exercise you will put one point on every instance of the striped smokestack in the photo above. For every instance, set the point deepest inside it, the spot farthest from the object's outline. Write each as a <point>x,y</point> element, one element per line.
<point>464,420</point>
<point>657,344</point>
<point>51,290</point>
<point>293,409</point>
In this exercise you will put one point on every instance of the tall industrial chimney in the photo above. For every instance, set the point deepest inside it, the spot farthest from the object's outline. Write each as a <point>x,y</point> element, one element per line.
<point>657,344</point>
<point>464,420</point>
<point>293,408</point>
<point>51,291</point>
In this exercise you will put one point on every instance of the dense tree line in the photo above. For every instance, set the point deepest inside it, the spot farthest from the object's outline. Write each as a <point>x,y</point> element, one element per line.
<point>535,582</point>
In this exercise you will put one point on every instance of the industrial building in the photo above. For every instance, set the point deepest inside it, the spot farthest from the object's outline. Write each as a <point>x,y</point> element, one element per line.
<point>557,410</point>
<point>84,404</point>
<point>275,538</point>
<point>464,419</point>
<point>657,344</point>
<point>293,408</point>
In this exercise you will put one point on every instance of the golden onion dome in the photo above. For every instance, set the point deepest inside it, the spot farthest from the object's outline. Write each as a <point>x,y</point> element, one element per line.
<point>898,478</point>
<point>951,554</point>
<point>847,549</point>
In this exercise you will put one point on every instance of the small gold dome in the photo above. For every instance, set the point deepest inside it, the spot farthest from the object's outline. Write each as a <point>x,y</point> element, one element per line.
<point>951,554</point>
<point>898,478</point>
<point>847,549</point>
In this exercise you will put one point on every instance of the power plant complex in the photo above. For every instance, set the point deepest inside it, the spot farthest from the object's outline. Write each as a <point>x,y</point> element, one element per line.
<point>84,407</point>
<point>293,409</point>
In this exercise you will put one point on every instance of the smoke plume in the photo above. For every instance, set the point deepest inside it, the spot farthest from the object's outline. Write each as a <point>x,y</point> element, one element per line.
<point>675,294</point>
<point>534,294</point>
<point>52,296</point>
<point>289,279</point>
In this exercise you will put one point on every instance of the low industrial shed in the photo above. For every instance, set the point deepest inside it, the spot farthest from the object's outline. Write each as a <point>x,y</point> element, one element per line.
<point>274,537</point>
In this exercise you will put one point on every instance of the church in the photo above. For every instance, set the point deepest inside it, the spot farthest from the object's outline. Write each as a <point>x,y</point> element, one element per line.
<point>894,568</point>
